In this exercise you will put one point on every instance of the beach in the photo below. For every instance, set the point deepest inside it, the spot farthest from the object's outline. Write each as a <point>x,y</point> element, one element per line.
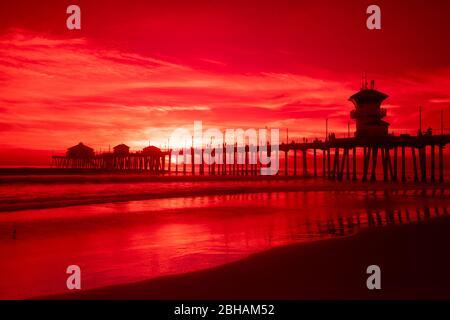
<point>413,258</point>
<point>137,230</point>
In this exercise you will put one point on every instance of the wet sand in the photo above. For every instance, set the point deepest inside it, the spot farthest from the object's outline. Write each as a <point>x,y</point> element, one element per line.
<point>111,227</point>
<point>413,258</point>
<point>42,195</point>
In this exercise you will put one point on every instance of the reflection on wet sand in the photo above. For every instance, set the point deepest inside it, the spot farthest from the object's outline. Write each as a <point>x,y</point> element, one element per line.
<point>124,242</point>
<point>375,218</point>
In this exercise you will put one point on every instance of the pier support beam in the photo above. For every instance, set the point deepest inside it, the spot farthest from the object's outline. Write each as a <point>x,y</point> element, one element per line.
<point>395,164</point>
<point>170,162</point>
<point>389,164</point>
<point>202,162</point>
<point>441,163</point>
<point>315,163</point>
<point>384,163</point>
<point>423,163</point>
<point>295,162</point>
<point>329,163</point>
<point>344,161</point>
<point>234,166</point>
<point>403,164</point>
<point>305,164</point>
<point>413,154</point>
<point>432,165</point>
<point>374,164</point>
<point>246,160</point>
<point>347,151</point>
<point>367,151</point>
<point>193,161</point>
<point>286,162</point>
<point>336,163</point>
<point>324,166</point>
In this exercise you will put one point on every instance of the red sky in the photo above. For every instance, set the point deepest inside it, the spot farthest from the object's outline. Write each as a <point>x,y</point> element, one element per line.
<point>139,69</point>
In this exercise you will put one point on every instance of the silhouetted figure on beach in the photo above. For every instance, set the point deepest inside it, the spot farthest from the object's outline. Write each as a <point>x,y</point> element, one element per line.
<point>14,233</point>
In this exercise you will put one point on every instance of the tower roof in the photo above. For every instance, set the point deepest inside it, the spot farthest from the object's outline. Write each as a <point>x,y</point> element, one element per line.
<point>121,149</point>
<point>151,150</point>
<point>80,146</point>
<point>80,151</point>
<point>121,146</point>
<point>368,96</point>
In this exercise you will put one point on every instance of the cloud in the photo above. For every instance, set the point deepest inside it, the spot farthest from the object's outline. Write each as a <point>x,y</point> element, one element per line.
<point>55,92</point>
<point>64,90</point>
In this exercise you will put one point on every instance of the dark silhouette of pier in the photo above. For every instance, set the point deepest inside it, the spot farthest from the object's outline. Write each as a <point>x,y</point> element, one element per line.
<point>373,139</point>
<point>339,157</point>
<point>150,159</point>
<point>371,142</point>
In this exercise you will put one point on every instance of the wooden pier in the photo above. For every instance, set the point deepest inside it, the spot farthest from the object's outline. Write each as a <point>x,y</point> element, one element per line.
<point>109,161</point>
<point>340,159</point>
<point>372,143</point>
<point>340,156</point>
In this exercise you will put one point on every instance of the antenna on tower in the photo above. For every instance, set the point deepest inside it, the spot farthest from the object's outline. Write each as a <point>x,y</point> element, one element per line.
<point>364,81</point>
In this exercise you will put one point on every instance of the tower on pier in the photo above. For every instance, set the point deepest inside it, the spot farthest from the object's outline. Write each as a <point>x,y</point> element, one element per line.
<point>368,112</point>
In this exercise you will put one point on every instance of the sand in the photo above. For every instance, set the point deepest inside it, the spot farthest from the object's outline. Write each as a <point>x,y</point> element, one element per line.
<point>43,195</point>
<point>413,258</point>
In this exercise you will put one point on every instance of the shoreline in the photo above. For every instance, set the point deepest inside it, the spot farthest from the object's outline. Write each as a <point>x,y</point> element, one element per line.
<point>413,260</point>
<point>56,175</point>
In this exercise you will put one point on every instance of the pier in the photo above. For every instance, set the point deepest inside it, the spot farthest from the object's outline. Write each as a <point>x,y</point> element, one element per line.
<point>150,159</point>
<point>340,157</point>
<point>352,158</point>
<point>337,159</point>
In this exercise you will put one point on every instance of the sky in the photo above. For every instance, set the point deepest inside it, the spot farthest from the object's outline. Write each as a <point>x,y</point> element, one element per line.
<point>137,70</point>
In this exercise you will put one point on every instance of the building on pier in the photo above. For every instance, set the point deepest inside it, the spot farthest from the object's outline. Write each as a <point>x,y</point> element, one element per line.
<point>152,151</point>
<point>121,150</point>
<point>368,112</point>
<point>151,159</point>
<point>80,151</point>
